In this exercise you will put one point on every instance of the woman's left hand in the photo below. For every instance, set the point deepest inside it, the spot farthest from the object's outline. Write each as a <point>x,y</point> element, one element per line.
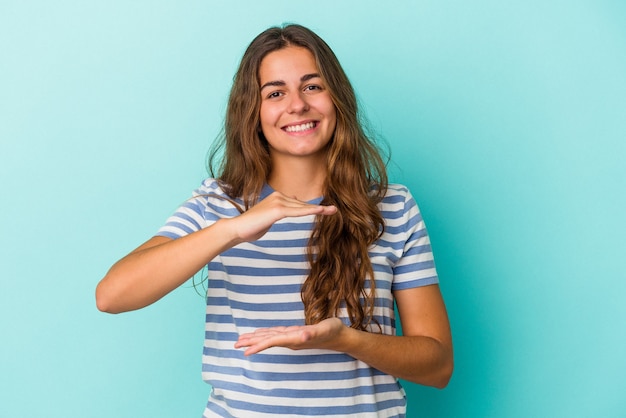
<point>325,335</point>
<point>422,354</point>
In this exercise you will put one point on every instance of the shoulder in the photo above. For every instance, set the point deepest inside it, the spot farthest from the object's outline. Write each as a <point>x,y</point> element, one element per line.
<point>211,197</point>
<point>209,186</point>
<point>396,189</point>
<point>399,208</point>
<point>397,195</point>
<point>211,189</point>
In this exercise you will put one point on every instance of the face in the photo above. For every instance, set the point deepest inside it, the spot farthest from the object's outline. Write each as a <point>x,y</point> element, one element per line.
<point>297,114</point>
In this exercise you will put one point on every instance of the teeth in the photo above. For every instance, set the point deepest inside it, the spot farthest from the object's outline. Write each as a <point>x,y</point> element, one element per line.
<point>299,128</point>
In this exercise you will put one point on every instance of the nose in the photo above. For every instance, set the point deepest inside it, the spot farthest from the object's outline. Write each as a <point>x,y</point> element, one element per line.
<point>298,103</point>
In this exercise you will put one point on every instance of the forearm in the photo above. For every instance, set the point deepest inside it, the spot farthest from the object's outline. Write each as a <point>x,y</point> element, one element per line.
<point>161,265</point>
<point>152,271</point>
<point>418,359</point>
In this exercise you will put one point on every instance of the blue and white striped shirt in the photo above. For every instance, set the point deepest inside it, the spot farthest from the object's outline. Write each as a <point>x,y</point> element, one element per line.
<point>257,284</point>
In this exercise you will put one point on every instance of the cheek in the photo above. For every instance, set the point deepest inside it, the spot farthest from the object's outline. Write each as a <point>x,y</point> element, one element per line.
<point>332,115</point>
<point>329,109</point>
<point>267,116</point>
<point>262,115</point>
<point>267,121</point>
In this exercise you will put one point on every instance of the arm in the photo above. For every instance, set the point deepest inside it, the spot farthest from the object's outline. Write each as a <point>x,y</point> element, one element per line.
<point>161,264</point>
<point>422,355</point>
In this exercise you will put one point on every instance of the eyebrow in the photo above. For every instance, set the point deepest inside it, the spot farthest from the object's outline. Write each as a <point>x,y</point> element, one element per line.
<point>281,83</point>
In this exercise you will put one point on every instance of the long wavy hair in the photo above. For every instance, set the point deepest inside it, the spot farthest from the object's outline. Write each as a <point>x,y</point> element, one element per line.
<point>341,274</point>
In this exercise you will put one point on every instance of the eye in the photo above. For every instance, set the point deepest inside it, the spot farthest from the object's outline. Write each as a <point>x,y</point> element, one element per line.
<point>274,95</point>
<point>312,87</point>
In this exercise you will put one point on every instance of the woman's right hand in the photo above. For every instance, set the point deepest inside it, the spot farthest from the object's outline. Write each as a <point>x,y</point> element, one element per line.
<point>256,221</point>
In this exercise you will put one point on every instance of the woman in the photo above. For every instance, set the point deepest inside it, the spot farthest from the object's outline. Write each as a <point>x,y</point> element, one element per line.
<point>294,226</point>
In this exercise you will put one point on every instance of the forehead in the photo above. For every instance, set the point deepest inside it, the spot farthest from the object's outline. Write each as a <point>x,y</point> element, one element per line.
<point>287,63</point>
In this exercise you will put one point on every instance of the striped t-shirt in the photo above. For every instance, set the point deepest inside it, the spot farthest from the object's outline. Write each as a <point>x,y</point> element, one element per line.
<point>257,285</point>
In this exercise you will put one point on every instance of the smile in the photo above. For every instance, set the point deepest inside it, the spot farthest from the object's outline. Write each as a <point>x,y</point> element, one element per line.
<point>301,127</point>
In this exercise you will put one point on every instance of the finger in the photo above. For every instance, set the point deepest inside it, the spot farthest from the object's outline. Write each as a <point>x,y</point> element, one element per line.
<point>255,344</point>
<point>268,331</point>
<point>329,210</point>
<point>291,341</point>
<point>304,210</point>
<point>295,202</point>
<point>264,334</point>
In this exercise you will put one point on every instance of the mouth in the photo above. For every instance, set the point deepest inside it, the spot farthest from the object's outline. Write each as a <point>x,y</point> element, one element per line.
<point>301,127</point>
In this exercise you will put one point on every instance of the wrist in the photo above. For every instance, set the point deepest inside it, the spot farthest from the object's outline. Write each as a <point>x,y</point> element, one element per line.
<point>225,229</point>
<point>347,339</point>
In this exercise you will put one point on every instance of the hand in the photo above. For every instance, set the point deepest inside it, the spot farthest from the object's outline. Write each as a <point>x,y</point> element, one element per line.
<point>255,222</point>
<point>326,334</point>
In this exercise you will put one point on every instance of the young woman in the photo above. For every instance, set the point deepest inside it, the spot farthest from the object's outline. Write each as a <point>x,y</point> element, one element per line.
<point>307,249</point>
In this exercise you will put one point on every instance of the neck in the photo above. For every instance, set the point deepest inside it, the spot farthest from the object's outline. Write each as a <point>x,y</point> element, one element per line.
<point>299,178</point>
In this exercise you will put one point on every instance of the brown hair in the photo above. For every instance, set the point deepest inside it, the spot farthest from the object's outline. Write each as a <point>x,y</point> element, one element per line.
<point>356,179</point>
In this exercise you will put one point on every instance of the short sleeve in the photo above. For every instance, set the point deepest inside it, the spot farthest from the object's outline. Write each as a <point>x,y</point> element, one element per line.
<point>416,266</point>
<point>201,210</point>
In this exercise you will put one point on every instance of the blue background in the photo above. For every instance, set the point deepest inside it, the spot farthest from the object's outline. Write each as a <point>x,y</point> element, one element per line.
<point>506,119</point>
